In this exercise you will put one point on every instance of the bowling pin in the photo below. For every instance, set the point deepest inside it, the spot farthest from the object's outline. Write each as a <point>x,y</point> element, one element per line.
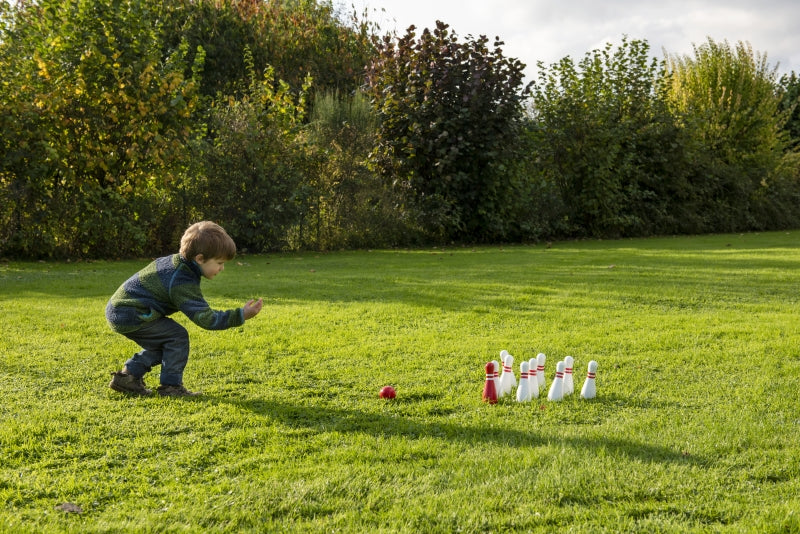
<point>589,390</point>
<point>540,359</point>
<point>500,387</point>
<point>489,392</point>
<point>502,369</point>
<point>569,383</point>
<point>533,379</point>
<point>556,392</point>
<point>523,391</point>
<point>507,380</point>
<point>496,377</point>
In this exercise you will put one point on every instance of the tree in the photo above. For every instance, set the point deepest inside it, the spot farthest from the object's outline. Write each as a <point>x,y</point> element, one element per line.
<point>251,175</point>
<point>294,38</point>
<point>603,135</point>
<point>105,121</point>
<point>789,91</point>
<point>109,106</point>
<point>450,116</point>
<point>726,100</point>
<point>352,207</point>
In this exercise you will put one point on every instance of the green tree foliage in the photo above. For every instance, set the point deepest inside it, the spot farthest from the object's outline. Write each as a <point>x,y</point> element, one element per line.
<point>450,117</point>
<point>251,180</point>
<point>351,207</point>
<point>638,147</point>
<point>101,122</point>
<point>123,120</point>
<point>602,134</point>
<point>790,104</point>
<point>727,102</point>
<point>295,38</point>
<point>786,196</point>
<point>113,113</point>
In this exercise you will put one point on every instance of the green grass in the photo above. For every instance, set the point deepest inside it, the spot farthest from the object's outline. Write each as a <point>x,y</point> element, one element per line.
<point>696,427</point>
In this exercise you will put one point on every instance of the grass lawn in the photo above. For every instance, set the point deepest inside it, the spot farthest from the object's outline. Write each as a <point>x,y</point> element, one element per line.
<point>695,428</point>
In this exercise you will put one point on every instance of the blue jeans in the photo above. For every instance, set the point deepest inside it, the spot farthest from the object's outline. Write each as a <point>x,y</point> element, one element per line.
<point>165,343</point>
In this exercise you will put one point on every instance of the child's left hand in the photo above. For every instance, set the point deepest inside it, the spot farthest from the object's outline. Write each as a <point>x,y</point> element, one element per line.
<point>252,308</point>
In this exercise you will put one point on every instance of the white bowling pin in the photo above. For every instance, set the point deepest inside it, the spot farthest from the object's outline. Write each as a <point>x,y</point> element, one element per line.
<point>501,390</point>
<point>533,379</point>
<point>523,391</point>
<point>507,380</point>
<point>540,359</point>
<point>589,390</point>
<point>556,392</point>
<point>569,383</point>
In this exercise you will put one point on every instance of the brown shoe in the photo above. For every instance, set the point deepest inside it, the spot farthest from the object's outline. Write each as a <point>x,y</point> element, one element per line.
<point>125,383</point>
<point>176,391</point>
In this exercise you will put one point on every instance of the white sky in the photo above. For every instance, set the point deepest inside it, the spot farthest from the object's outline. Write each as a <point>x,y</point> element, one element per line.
<point>548,30</point>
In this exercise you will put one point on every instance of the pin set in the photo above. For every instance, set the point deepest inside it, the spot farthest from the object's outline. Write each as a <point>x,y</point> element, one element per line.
<point>532,380</point>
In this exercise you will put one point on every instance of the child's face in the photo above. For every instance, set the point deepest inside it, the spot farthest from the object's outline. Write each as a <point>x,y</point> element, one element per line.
<point>210,267</point>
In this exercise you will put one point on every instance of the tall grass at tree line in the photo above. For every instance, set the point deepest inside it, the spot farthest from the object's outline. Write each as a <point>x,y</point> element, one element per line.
<point>695,428</point>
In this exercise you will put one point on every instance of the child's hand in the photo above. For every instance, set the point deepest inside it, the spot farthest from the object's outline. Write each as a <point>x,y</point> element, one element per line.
<point>252,308</point>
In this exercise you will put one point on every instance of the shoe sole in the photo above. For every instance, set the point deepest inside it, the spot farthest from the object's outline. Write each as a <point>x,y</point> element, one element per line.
<point>130,392</point>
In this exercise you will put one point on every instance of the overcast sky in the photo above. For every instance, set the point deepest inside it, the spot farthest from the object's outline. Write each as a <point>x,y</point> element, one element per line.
<point>548,30</point>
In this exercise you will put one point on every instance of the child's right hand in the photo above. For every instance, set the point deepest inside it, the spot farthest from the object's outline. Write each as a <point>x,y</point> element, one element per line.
<point>252,308</point>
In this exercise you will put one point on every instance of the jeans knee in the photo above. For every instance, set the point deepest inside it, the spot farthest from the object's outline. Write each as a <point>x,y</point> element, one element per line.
<point>181,335</point>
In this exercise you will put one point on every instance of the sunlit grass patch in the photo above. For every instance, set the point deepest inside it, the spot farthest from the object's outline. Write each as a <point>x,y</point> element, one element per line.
<point>695,427</point>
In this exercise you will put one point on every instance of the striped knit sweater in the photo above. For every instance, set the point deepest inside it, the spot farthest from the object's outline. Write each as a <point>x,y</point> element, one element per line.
<point>168,285</point>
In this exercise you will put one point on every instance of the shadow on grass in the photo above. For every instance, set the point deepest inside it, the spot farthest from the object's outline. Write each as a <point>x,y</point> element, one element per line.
<point>325,419</point>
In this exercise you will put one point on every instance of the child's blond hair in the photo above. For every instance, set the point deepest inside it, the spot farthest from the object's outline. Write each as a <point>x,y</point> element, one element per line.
<point>209,239</point>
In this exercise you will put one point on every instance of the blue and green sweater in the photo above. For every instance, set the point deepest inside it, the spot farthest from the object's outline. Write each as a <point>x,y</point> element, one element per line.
<point>168,285</point>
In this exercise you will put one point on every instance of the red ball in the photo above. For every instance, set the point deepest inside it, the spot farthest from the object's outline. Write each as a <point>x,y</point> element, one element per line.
<point>387,392</point>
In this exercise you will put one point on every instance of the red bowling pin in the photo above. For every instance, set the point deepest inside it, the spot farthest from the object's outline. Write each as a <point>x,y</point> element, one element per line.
<point>489,391</point>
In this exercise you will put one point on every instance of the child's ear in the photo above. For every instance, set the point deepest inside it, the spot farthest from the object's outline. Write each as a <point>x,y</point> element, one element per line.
<point>199,258</point>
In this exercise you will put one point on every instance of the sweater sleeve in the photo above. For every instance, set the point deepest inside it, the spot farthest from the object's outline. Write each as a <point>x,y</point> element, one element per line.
<point>188,298</point>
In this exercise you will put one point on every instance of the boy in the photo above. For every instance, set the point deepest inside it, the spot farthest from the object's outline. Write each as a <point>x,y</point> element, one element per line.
<point>140,308</point>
